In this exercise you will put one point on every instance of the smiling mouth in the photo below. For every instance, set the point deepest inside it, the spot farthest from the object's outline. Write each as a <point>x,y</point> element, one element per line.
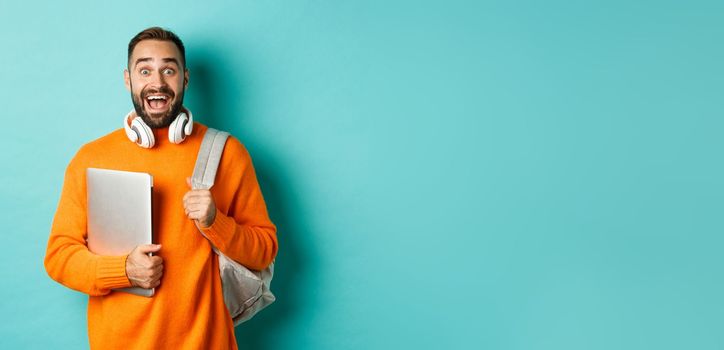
<point>157,102</point>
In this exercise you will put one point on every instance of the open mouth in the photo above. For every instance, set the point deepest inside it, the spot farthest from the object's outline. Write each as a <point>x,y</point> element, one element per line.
<point>157,102</point>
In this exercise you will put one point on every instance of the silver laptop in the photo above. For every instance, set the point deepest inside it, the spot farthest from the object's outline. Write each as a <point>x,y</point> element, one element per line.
<point>119,214</point>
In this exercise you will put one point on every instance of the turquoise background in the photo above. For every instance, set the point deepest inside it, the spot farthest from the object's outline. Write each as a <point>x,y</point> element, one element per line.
<point>444,175</point>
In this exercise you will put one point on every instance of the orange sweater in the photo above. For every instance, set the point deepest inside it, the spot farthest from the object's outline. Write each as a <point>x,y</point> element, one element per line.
<point>187,311</point>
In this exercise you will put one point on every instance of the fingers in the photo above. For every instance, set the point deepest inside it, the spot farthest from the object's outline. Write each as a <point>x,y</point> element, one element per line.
<point>149,283</point>
<point>157,271</point>
<point>195,194</point>
<point>201,204</point>
<point>199,209</point>
<point>155,261</point>
<point>147,248</point>
<point>150,274</point>
<point>155,274</point>
<point>148,262</point>
<point>203,207</point>
<point>147,277</point>
<point>205,214</point>
<point>142,270</point>
<point>195,215</point>
<point>198,205</point>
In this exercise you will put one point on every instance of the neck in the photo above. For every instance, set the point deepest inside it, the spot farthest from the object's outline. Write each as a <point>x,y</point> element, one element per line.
<point>160,133</point>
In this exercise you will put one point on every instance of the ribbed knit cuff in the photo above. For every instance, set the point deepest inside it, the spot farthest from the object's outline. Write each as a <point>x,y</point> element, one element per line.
<point>223,227</point>
<point>111,272</point>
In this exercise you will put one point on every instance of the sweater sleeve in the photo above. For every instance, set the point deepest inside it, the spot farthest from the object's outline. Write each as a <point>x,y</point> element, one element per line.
<point>244,232</point>
<point>67,258</point>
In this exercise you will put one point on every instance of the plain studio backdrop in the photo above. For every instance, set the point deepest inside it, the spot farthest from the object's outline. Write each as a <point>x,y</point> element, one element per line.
<point>444,175</point>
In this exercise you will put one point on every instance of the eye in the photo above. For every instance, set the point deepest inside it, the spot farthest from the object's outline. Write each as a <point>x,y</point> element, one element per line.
<point>168,71</point>
<point>145,72</point>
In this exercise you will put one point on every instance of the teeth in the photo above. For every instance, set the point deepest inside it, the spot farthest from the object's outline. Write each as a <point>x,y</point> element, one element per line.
<point>156,97</point>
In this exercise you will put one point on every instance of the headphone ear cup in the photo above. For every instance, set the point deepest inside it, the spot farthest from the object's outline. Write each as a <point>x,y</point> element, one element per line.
<point>144,133</point>
<point>189,127</point>
<point>176,129</point>
<point>131,133</point>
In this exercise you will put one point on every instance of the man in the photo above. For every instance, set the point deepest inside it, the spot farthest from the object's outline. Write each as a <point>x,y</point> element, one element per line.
<point>187,310</point>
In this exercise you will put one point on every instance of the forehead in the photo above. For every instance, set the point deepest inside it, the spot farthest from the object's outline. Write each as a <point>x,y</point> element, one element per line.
<point>156,50</point>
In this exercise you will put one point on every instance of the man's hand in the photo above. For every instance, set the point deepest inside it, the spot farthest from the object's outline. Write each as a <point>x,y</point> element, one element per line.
<point>142,270</point>
<point>199,205</point>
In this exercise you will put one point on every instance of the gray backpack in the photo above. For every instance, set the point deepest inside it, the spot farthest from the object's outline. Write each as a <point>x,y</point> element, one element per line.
<point>246,291</point>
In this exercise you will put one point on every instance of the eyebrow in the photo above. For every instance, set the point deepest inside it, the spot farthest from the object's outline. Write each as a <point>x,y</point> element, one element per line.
<point>148,59</point>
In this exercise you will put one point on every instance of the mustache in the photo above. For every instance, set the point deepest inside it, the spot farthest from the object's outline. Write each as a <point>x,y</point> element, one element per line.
<point>162,90</point>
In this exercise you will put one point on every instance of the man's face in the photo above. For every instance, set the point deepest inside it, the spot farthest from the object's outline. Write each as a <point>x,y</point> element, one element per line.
<point>157,81</point>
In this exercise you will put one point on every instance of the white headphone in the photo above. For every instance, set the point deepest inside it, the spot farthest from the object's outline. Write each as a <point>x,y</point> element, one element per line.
<point>140,133</point>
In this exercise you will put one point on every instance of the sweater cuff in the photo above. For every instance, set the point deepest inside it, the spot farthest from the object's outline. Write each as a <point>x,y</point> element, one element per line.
<point>222,228</point>
<point>111,272</point>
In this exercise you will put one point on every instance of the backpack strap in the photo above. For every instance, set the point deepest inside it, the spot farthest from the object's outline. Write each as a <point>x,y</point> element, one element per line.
<point>208,159</point>
<point>246,292</point>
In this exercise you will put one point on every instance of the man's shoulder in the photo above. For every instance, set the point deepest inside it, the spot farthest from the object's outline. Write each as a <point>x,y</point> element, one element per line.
<point>110,139</point>
<point>234,147</point>
<point>103,144</point>
<point>235,154</point>
<point>235,151</point>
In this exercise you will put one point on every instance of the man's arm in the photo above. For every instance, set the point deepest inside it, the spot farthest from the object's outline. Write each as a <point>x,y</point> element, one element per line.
<point>243,231</point>
<point>67,258</point>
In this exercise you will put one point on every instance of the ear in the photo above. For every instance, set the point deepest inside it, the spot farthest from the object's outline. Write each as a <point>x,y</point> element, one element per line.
<point>127,79</point>
<point>186,78</point>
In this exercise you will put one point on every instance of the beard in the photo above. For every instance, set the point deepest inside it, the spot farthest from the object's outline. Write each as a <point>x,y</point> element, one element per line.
<point>157,120</point>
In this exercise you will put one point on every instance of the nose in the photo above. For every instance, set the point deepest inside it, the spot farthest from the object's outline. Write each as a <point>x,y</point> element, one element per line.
<point>158,80</point>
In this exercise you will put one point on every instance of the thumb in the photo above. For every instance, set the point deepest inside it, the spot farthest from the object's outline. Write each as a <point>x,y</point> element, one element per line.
<point>188,182</point>
<point>148,248</point>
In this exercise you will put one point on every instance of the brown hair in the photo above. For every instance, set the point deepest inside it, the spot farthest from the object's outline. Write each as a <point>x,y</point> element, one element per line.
<point>157,33</point>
